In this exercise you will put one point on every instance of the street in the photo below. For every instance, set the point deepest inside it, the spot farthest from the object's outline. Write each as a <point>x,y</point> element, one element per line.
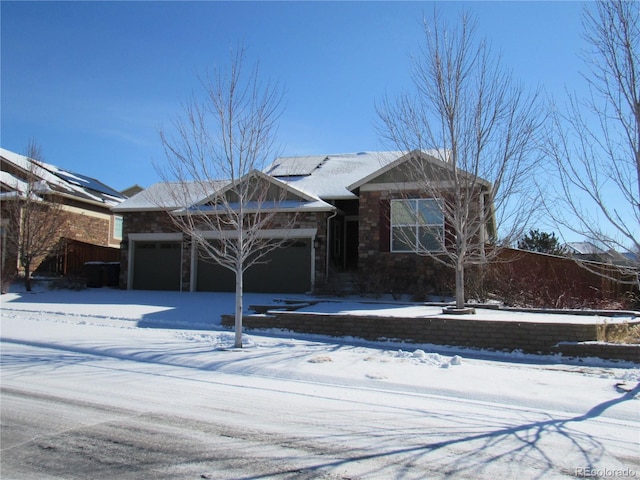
<point>124,419</point>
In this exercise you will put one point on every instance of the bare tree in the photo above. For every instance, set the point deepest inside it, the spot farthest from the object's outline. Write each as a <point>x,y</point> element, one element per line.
<point>215,158</point>
<point>595,142</point>
<point>479,127</point>
<point>35,217</point>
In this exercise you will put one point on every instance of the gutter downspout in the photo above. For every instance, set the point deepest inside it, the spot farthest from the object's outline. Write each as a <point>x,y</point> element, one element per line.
<point>328,246</point>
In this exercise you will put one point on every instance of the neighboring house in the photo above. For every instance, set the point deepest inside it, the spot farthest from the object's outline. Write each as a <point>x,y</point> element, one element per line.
<point>132,190</point>
<point>587,251</point>
<point>86,202</point>
<point>344,223</point>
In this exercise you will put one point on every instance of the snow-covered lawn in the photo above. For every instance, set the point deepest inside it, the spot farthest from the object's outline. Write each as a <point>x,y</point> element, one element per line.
<point>577,414</point>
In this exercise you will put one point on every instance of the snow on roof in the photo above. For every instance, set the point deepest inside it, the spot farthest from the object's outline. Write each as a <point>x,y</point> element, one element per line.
<point>64,182</point>
<point>168,196</point>
<point>328,176</point>
<point>584,248</point>
<point>183,196</point>
<point>301,166</point>
<point>321,177</point>
<point>12,182</point>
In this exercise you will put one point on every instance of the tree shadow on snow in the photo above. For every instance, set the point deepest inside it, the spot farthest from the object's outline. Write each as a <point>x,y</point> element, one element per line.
<point>536,449</point>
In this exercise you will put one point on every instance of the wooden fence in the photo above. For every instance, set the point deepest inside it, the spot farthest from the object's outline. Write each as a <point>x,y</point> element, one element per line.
<point>71,256</point>
<point>537,279</point>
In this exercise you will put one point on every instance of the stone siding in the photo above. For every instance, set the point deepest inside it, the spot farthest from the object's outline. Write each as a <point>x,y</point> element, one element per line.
<point>159,222</point>
<point>529,337</point>
<point>90,226</point>
<point>95,229</point>
<point>393,272</point>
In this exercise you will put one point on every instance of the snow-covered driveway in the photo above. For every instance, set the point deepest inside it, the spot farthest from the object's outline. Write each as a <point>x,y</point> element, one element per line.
<point>87,392</point>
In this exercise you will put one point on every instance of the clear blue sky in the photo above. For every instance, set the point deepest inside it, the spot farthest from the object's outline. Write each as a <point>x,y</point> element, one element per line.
<point>92,82</point>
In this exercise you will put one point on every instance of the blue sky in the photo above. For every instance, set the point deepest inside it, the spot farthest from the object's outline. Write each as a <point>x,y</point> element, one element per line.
<point>92,82</point>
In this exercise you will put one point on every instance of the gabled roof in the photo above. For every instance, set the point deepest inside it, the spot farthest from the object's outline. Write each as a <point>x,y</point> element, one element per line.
<point>57,180</point>
<point>584,248</point>
<point>329,176</point>
<point>437,158</point>
<point>316,180</point>
<point>263,176</point>
<point>197,197</point>
<point>169,196</point>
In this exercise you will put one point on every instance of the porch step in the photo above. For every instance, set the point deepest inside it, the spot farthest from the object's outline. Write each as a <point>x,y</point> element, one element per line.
<point>345,283</point>
<point>286,307</point>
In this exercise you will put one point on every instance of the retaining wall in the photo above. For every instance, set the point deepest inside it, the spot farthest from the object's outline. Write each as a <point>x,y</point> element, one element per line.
<point>529,337</point>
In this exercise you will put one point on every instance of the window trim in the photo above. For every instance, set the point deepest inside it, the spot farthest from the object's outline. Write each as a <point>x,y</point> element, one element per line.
<point>118,220</point>
<point>434,228</point>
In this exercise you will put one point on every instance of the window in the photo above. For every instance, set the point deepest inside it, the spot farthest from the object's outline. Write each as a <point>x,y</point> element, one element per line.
<point>417,225</point>
<point>117,228</point>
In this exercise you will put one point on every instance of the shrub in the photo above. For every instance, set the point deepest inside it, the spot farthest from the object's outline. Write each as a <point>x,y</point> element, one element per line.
<point>618,333</point>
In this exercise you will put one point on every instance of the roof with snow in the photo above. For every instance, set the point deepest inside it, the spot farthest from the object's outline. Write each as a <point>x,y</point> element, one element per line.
<point>584,248</point>
<point>318,179</point>
<point>170,196</point>
<point>53,179</point>
<point>328,176</point>
<point>194,197</point>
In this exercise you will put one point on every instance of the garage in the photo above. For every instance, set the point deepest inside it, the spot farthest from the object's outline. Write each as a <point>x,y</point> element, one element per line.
<point>284,270</point>
<point>156,265</point>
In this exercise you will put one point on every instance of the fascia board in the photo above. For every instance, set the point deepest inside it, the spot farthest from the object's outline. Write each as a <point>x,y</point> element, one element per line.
<point>311,208</point>
<point>264,176</point>
<point>378,172</point>
<point>145,237</point>
<point>266,233</point>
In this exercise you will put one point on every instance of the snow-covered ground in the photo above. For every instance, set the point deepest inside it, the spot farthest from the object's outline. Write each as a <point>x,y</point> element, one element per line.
<point>570,414</point>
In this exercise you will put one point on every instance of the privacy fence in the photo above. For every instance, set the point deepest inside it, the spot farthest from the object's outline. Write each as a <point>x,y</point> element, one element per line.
<point>532,279</point>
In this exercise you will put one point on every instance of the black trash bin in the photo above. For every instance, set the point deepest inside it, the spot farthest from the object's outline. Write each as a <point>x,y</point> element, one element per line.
<point>93,274</point>
<point>111,274</point>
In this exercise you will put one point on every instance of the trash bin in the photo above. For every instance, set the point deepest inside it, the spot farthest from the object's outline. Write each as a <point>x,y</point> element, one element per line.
<point>111,274</point>
<point>93,274</point>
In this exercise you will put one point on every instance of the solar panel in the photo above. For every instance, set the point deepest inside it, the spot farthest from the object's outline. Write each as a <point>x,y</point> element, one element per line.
<point>296,166</point>
<point>87,182</point>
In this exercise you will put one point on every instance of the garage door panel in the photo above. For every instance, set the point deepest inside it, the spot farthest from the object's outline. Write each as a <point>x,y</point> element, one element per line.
<point>283,270</point>
<point>156,265</point>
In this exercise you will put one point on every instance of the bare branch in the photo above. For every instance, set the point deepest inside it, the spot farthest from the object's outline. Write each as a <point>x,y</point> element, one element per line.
<point>594,143</point>
<point>35,217</point>
<point>220,199</point>
<point>483,129</point>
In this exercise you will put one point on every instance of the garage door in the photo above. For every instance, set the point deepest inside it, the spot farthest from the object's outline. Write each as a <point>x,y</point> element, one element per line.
<point>286,270</point>
<point>156,265</point>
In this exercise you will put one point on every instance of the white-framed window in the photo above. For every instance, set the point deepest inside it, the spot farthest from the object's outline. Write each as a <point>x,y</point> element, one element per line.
<point>117,227</point>
<point>417,225</point>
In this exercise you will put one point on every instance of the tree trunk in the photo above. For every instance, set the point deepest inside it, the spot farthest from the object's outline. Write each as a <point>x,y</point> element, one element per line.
<point>238,317</point>
<point>27,275</point>
<point>459,284</point>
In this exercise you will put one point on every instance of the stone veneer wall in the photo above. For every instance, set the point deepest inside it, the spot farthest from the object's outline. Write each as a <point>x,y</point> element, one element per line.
<point>159,222</point>
<point>93,227</point>
<point>141,222</point>
<point>529,337</point>
<point>89,229</point>
<point>395,272</point>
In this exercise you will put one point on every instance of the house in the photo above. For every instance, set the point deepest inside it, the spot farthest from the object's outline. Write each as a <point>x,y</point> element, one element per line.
<point>347,220</point>
<point>587,251</point>
<point>89,224</point>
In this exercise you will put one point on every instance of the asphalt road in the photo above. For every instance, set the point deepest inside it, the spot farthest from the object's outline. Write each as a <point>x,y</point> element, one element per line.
<point>136,420</point>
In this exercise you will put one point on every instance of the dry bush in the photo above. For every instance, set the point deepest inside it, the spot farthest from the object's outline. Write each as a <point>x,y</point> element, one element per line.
<point>618,333</point>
